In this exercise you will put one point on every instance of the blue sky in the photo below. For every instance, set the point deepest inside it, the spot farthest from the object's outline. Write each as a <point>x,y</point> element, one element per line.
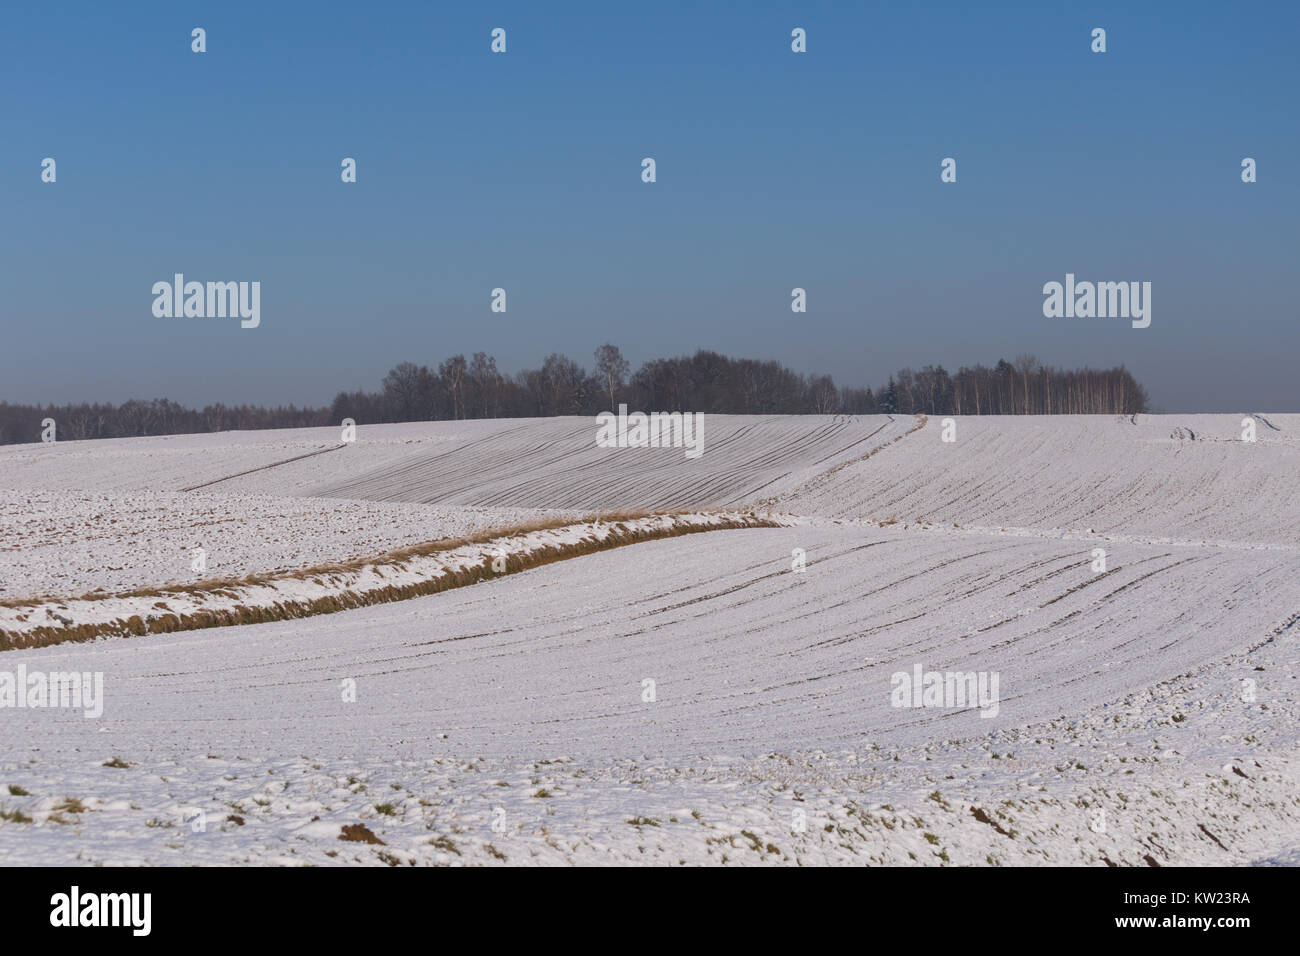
<point>522,170</point>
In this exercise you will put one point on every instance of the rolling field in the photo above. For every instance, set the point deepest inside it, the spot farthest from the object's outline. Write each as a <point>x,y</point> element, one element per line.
<point>514,717</point>
<point>1155,477</point>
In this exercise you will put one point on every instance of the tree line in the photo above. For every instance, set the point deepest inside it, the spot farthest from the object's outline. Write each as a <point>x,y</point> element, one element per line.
<point>460,388</point>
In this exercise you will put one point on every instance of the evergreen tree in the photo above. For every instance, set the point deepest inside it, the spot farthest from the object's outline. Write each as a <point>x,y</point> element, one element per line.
<point>888,401</point>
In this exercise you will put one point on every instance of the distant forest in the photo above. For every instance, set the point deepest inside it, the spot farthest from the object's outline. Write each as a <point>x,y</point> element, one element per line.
<point>704,382</point>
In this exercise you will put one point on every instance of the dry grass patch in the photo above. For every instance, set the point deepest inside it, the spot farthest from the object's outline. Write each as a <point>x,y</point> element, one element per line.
<point>359,833</point>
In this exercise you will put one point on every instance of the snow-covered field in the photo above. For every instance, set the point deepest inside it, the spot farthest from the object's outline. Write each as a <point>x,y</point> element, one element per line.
<point>692,699</point>
<point>1153,477</point>
<point>77,517</point>
<point>75,542</point>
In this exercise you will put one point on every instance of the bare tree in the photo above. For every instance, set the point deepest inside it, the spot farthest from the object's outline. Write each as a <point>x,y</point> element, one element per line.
<point>484,385</point>
<point>612,369</point>
<point>452,373</point>
<point>564,380</point>
<point>404,392</point>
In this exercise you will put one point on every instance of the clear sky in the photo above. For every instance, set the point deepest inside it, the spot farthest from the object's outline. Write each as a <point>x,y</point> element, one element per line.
<point>523,170</point>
